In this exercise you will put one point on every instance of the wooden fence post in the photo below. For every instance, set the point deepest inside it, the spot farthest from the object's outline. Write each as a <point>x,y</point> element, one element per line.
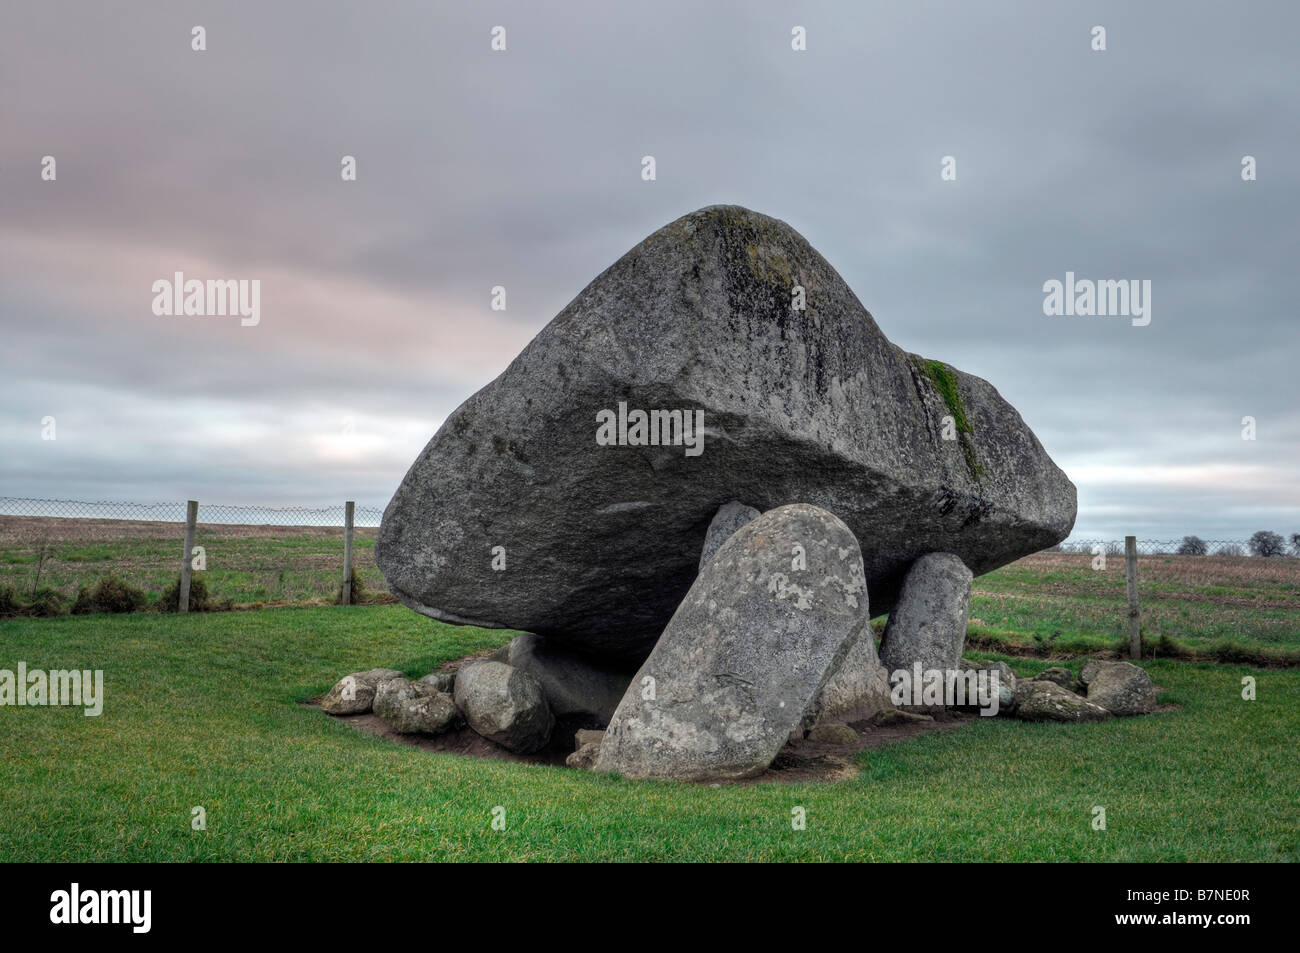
<point>191,517</point>
<point>1134,619</point>
<point>349,509</point>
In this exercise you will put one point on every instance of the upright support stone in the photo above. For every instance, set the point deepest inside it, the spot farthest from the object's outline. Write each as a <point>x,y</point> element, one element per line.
<point>928,625</point>
<point>187,563</point>
<point>857,689</point>
<point>729,518</point>
<point>746,653</point>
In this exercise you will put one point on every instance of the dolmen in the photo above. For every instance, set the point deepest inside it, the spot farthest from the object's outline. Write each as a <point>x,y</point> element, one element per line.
<point>694,488</point>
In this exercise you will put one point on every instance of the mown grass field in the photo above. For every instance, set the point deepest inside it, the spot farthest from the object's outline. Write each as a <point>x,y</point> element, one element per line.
<point>205,710</point>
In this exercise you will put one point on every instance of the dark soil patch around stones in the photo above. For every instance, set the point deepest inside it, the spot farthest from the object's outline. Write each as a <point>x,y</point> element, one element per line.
<point>797,763</point>
<point>805,761</point>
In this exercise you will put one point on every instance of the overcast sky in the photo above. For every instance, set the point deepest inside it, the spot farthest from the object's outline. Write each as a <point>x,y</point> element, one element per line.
<point>522,168</point>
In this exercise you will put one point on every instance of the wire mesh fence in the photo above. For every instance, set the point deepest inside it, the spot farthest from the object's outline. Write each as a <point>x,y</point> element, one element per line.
<point>1205,595</point>
<point>52,550</point>
<point>175,512</point>
<point>1275,545</point>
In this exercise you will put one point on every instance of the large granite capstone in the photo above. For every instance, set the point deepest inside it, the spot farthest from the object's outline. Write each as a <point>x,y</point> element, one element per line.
<point>602,542</point>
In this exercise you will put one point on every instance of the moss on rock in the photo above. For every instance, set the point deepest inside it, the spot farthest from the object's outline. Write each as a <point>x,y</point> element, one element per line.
<point>944,380</point>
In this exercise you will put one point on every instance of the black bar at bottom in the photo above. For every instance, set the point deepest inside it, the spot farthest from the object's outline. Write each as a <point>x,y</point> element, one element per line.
<point>333,902</point>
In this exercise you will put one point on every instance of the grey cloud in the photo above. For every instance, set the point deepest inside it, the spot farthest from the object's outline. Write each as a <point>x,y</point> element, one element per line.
<point>522,169</point>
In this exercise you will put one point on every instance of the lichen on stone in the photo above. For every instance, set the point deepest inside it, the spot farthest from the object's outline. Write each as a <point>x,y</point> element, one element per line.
<point>770,265</point>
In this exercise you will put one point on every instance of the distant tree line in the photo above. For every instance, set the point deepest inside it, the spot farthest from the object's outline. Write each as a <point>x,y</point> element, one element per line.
<point>1262,543</point>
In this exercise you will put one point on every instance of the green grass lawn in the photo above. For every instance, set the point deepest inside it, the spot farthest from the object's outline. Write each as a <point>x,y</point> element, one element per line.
<point>204,710</point>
